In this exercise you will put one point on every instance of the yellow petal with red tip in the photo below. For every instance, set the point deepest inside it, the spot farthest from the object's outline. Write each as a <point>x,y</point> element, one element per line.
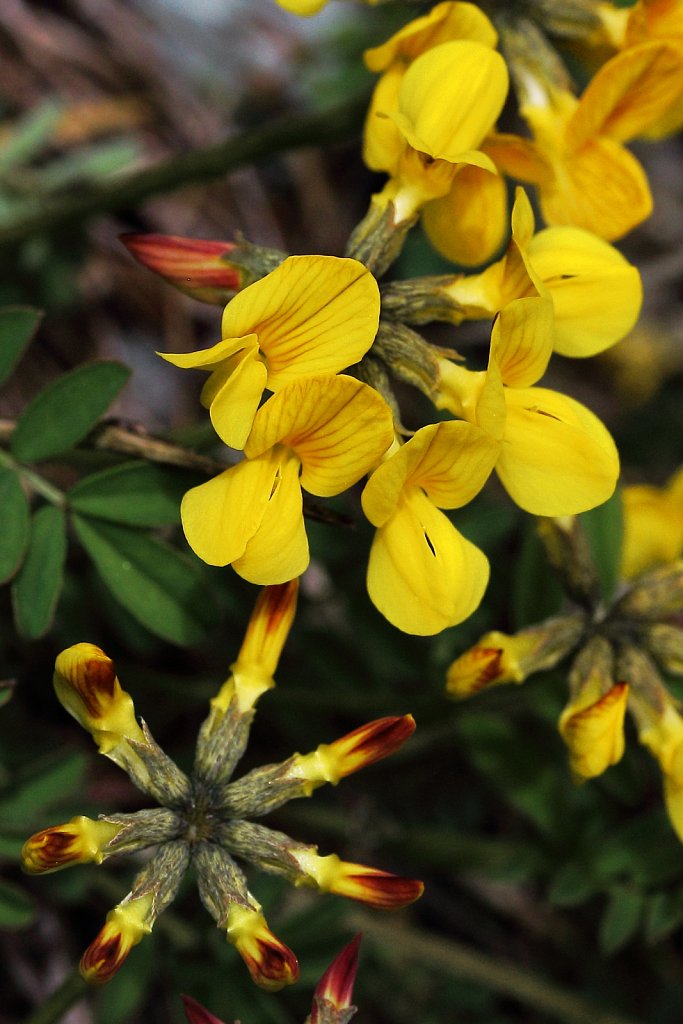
<point>125,926</point>
<point>423,575</point>
<point>522,341</point>
<point>601,188</point>
<point>557,458</point>
<point>468,225</point>
<point>628,94</point>
<point>312,315</point>
<point>450,98</point>
<point>334,991</point>
<point>594,733</point>
<point>330,762</point>
<point>221,516</point>
<point>272,965</point>
<point>444,23</point>
<point>378,889</point>
<point>338,427</point>
<point>79,841</point>
<point>278,550</point>
<point>596,293</point>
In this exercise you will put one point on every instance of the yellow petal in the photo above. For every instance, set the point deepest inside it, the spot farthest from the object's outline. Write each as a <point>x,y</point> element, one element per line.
<point>596,293</point>
<point>594,732</point>
<point>233,404</point>
<point>628,94</point>
<point>312,314</point>
<point>653,528</point>
<point>468,224</point>
<point>450,461</point>
<point>303,7</point>
<point>602,188</point>
<point>278,551</point>
<point>221,516</point>
<point>338,427</point>
<point>450,98</point>
<point>522,340</point>
<point>383,143</point>
<point>557,458</point>
<point>209,358</point>
<point>518,157</point>
<point>423,575</point>
<point>444,23</point>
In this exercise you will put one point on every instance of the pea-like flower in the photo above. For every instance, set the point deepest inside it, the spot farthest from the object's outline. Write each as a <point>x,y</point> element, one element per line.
<point>203,820</point>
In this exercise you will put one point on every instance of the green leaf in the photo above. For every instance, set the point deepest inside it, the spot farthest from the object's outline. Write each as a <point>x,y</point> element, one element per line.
<point>663,914</point>
<point>573,884</point>
<point>37,585</point>
<point>161,588</point>
<point>18,324</point>
<point>6,691</point>
<point>136,493</point>
<point>29,135</point>
<point>604,528</point>
<point>17,909</point>
<point>67,410</point>
<point>50,781</point>
<point>15,523</point>
<point>621,919</point>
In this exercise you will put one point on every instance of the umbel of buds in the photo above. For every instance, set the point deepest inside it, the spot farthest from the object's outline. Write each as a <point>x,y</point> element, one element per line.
<point>617,653</point>
<point>204,820</point>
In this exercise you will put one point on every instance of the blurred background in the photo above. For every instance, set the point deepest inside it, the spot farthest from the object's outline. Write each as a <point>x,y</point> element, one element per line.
<point>544,901</point>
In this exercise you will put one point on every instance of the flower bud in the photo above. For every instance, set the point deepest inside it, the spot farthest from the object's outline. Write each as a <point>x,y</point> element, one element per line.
<point>330,762</point>
<point>198,1014</point>
<point>594,732</point>
<point>79,841</point>
<point>87,686</point>
<point>501,658</point>
<point>268,629</point>
<point>333,993</point>
<point>125,926</point>
<point>378,889</point>
<point>272,965</point>
<point>209,271</point>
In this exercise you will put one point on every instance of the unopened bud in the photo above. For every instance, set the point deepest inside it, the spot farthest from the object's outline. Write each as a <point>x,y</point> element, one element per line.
<point>334,992</point>
<point>125,926</point>
<point>503,658</point>
<point>196,1013</point>
<point>271,963</point>
<point>568,551</point>
<point>665,642</point>
<point>79,841</point>
<point>378,889</point>
<point>209,271</point>
<point>655,595</point>
<point>87,686</point>
<point>358,749</point>
<point>594,732</point>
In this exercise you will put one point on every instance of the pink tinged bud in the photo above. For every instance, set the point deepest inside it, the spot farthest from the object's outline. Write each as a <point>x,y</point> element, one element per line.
<point>271,963</point>
<point>378,889</point>
<point>335,988</point>
<point>79,841</point>
<point>198,1014</point>
<point>125,926</point>
<point>199,268</point>
<point>358,749</point>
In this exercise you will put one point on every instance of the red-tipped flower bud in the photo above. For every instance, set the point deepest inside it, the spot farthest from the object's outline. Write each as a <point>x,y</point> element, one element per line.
<point>125,926</point>
<point>334,991</point>
<point>272,965</point>
<point>79,841</point>
<point>358,749</point>
<point>201,269</point>
<point>379,889</point>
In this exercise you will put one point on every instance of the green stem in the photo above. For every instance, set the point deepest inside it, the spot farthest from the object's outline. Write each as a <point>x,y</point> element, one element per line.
<point>464,962</point>
<point>62,999</point>
<point>36,482</point>
<point>316,129</point>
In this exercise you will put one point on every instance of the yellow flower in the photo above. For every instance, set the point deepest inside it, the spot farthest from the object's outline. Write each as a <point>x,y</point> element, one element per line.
<point>653,525</point>
<point>79,841</point>
<point>311,315</point>
<point>584,174</point>
<point>663,736</point>
<point>595,292</point>
<point>270,962</point>
<point>423,575</point>
<point>555,457</point>
<point>467,222</point>
<point>592,726</point>
<point>321,433</point>
<point>125,926</point>
<point>379,889</point>
<point>441,109</point>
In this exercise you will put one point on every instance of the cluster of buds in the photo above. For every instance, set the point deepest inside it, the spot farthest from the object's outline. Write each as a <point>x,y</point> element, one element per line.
<point>619,653</point>
<point>331,997</point>
<point>204,820</point>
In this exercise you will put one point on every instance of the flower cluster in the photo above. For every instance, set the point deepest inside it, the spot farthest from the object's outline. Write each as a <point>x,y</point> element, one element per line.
<point>204,820</point>
<point>302,382</point>
<point>619,652</point>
